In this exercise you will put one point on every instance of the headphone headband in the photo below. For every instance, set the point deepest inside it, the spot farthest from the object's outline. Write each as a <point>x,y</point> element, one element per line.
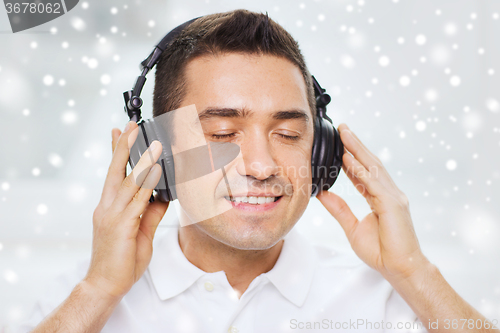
<point>133,101</point>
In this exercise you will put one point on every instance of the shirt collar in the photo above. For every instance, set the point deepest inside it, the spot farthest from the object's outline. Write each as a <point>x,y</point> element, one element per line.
<point>171,272</point>
<point>294,270</point>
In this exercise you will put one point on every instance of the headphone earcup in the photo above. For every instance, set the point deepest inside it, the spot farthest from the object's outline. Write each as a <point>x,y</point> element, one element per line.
<point>315,156</point>
<point>147,134</point>
<point>335,165</point>
<point>326,159</point>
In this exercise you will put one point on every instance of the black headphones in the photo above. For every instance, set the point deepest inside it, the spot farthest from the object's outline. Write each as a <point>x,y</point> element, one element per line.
<point>327,151</point>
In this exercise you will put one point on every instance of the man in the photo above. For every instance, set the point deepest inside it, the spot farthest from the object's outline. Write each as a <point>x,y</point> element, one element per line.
<point>247,270</point>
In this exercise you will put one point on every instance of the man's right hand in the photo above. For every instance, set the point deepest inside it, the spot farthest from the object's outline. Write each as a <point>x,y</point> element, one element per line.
<point>124,221</point>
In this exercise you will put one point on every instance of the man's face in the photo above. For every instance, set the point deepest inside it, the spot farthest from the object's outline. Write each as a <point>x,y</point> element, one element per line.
<point>259,103</point>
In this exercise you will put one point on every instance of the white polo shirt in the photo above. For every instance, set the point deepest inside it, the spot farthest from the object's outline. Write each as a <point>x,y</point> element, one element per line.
<point>310,289</point>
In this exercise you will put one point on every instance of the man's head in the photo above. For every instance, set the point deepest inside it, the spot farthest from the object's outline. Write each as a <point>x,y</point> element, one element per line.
<point>238,31</point>
<point>249,83</point>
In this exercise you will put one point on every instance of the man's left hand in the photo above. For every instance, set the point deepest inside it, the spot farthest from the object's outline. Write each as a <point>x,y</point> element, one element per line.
<point>385,239</point>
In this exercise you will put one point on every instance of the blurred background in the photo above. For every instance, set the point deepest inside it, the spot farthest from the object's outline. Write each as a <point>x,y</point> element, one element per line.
<point>417,80</point>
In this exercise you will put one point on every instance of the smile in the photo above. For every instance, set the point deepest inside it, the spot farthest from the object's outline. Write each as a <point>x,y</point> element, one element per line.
<point>252,203</point>
<point>253,200</point>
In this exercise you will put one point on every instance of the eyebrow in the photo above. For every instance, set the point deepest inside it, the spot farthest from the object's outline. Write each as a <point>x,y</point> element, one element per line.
<point>212,112</point>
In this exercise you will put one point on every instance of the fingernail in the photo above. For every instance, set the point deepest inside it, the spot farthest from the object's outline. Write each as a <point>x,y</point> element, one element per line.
<point>127,127</point>
<point>153,146</point>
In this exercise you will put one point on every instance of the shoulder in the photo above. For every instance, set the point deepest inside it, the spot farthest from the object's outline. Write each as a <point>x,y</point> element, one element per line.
<point>336,259</point>
<point>328,256</point>
<point>351,276</point>
<point>341,269</point>
<point>327,260</point>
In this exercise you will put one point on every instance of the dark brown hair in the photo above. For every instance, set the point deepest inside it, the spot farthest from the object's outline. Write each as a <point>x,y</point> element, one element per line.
<point>240,31</point>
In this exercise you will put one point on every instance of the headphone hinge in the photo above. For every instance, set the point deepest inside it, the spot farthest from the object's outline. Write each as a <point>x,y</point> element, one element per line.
<point>134,113</point>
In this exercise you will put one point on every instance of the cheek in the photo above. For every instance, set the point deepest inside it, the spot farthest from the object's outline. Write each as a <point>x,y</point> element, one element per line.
<point>197,197</point>
<point>303,179</point>
<point>296,165</point>
<point>298,173</point>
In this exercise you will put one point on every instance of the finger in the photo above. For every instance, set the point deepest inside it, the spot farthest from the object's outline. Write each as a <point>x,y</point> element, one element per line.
<point>357,148</point>
<point>369,160</point>
<point>140,200</point>
<point>356,182</point>
<point>118,166</point>
<point>369,180</point>
<point>339,209</point>
<point>131,184</point>
<point>115,134</point>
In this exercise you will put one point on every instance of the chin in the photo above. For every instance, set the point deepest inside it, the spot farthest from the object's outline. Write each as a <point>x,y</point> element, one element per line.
<point>246,234</point>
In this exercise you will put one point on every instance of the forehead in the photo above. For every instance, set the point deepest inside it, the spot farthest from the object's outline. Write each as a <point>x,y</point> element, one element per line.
<point>260,83</point>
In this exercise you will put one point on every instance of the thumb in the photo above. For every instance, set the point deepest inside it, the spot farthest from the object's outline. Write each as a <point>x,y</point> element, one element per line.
<point>339,209</point>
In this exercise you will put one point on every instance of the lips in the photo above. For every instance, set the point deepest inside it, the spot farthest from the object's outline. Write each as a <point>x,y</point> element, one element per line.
<point>254,200</point>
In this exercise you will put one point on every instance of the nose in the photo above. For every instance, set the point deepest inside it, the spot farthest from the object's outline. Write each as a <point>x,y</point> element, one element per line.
<point>257,158</point>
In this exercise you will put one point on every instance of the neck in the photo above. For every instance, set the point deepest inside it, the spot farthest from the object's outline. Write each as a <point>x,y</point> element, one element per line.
<point>241,266</point>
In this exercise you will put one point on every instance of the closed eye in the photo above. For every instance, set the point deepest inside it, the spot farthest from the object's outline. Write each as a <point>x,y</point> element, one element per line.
<point>289,137</point>
<point>230,135</point>
<point>223,136</point>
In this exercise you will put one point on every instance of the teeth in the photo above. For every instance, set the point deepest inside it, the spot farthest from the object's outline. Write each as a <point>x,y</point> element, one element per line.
<point>254,200</point>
